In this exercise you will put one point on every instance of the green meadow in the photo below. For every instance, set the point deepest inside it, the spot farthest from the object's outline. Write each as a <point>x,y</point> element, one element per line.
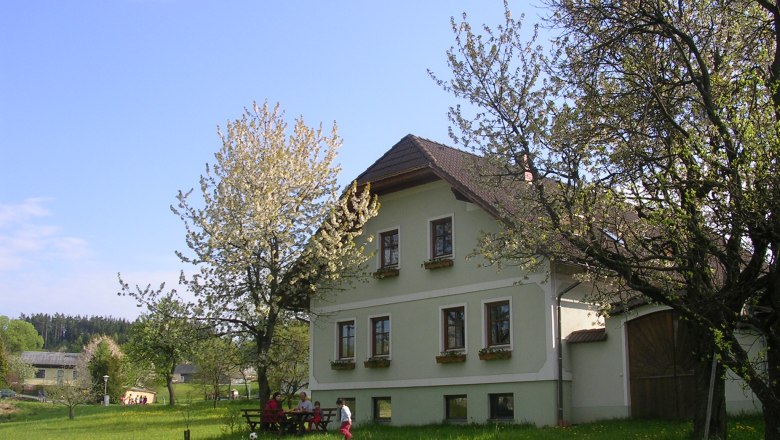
<point>45,421</point>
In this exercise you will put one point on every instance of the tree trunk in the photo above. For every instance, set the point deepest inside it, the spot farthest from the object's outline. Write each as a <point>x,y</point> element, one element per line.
<point>702,377</point>
<point>215,390</point>
<point>263,386</point>
<point>771,403</point>
<point>169,384</point>
<point>772,421</point>
<point>71,412</point>
<point>263,340</point>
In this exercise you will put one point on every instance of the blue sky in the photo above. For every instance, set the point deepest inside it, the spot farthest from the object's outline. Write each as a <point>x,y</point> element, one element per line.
<point>109,107</point>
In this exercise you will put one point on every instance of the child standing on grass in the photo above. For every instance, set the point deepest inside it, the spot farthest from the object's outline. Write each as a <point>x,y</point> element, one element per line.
<point>345,417</point>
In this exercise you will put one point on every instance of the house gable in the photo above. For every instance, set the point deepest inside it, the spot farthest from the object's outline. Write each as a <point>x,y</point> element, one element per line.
<point>414,161</point>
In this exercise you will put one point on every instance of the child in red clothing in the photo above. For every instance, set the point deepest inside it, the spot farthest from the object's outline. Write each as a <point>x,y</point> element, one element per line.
<point>345,417</point>
<point>316,417</point>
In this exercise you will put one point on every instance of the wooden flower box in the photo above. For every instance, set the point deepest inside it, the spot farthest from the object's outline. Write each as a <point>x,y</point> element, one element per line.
<point>451,358</point>
<point>342,365</point>
<point>438,263</point>
<point>492,355</point>
<point>376,362</point>
<point>386,272</point>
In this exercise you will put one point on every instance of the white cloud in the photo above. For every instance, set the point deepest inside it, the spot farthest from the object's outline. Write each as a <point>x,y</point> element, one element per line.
<point>27,239</point>
<point>30,208</point>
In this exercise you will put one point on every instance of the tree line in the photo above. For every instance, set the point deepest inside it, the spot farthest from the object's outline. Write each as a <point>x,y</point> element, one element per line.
<point>62,332</point>
<point>153,346</point>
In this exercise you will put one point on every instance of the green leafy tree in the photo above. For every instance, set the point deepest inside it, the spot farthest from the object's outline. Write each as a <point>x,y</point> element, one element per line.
<point>272,229</point>
<point>138,372</point>
<point>163,338</point>
<point>70,333</point>
<point>290,356</point>
<point>103,357</point>
<point>19,335</point>
<point>72,394</point>
<point>643,144</point>
<point>18,371</point>
<point>4,365</point>
<point>217,359</point>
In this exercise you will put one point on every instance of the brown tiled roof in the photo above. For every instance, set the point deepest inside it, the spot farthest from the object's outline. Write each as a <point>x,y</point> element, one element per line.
<point>588,335</point>
<point>415,160</point>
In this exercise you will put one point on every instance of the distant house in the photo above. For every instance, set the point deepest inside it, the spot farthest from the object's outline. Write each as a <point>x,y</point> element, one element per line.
<point>51,368</point>
<point>184,373</point>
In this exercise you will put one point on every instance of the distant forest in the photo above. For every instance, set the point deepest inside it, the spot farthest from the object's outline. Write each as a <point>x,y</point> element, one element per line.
<point>72,333</point>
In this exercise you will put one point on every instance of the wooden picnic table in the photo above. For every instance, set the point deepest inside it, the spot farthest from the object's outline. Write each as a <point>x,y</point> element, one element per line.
<point>295,421</point>
<point>290,422</point>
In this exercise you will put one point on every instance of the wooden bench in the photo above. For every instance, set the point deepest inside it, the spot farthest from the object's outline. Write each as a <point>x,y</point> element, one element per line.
<point>328,415</point>
<point>286,423</point>
<point>253,416</point>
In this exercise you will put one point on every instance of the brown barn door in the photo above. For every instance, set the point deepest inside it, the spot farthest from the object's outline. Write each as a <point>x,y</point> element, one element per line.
<point>660,366</point>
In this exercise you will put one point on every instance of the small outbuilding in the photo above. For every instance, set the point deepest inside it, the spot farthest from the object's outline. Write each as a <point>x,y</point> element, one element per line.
<point>138,396</point>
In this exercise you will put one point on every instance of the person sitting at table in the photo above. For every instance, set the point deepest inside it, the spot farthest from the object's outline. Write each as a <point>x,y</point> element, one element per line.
<point>316,417</point>
<point>305,405</point>
<point>273,412</point>
<point>302,412</point>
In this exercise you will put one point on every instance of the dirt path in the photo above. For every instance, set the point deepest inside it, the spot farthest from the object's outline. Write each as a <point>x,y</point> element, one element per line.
<point>7,408</point>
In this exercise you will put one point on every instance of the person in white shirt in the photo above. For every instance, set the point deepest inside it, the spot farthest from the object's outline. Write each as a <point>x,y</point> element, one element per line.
<point>345,417</point>
<point>305,405</point>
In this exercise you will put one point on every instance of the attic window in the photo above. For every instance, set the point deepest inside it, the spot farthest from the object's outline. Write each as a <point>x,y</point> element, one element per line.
<point>441,237</point>
<point>388,242</point>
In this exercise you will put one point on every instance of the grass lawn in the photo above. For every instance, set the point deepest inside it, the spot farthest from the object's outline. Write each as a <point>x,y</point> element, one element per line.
<point>45,421</point>
<point>185,392</point>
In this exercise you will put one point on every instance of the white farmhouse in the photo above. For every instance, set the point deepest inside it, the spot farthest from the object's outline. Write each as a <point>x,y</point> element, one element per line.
<point>437,336</point>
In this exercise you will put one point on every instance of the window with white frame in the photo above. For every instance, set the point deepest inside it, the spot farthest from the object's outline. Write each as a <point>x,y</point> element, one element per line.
<point>498,323</point>
<point>383,409</point>
<point>352,405</point>
<point>456,407</point>
<point>453,328</point>
<point>441,237</point>
<point>346,339</point>
<point>502,406</point>
<point>380,336</point>
<point>389,248</point>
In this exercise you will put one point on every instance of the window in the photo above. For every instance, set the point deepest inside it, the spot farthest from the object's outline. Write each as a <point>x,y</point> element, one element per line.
<point>40,374</point>
<point>388,243</point>
<point>60,376</point>
<point>502,406</point>
<point>350,402</point>
<point>380,336</point>
<point>455,407</point>
<point>346,337</point>
<point>383,409</point>
<point>498,323</point>
<point>454,323</point>
<point>441,237</point>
